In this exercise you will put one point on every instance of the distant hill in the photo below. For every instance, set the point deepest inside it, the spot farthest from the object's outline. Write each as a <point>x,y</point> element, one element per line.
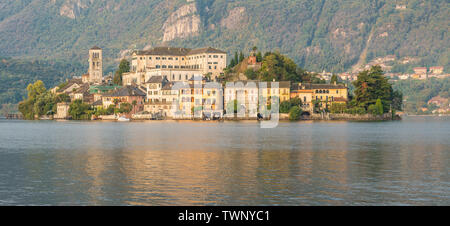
<point>331,35</point>
<point>15,75</point>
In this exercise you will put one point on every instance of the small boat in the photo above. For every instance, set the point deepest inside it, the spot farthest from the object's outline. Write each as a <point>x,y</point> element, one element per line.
<point>123,119</point>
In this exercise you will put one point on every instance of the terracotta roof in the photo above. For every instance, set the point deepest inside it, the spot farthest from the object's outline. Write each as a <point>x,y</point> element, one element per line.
<point>96,47</point>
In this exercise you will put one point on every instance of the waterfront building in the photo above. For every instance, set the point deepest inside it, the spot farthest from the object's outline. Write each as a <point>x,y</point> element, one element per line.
<point>62,111</point>
<point>212,99</point>
<point>271,90</point>
<point>245,93</point>
<point>154,88</point>
<point>133,95</point>
<point>325,94</point>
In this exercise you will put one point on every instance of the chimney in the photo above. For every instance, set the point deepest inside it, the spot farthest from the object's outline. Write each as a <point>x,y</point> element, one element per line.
<point>334,82</point>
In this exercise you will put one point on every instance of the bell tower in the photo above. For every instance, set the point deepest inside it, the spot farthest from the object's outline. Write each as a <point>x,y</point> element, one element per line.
<point>95,65</point>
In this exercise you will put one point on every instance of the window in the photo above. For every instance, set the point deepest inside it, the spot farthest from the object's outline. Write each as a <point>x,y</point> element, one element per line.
<point>164,66</point>
<point>304,99</point>
<point>337,91</point>
<point>170,66</point>
<point>209,67</point>
<point>164,58</point>
<point>158,58</point>
<point>158,66</point>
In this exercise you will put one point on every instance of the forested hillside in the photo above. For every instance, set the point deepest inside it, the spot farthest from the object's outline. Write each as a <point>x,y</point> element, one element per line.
<point>331,35</point>
<point>418,92</point>
<point>15,75</point>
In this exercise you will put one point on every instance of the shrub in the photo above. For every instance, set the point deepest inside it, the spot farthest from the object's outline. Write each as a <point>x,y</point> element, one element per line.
<point>295,113</point>
<point>285,107</point>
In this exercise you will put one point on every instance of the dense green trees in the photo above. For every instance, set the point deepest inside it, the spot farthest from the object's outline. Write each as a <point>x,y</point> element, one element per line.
<point>39,102</point>
<point>286,106</point>
<point>80,111</point>
<point>295,113</point>
<point>278,67</point>
<point>124,67</point>
<point>370,86</point>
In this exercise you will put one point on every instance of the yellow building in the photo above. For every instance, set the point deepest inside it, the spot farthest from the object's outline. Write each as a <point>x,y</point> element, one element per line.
<point>271,90</point>
<point>326,94</point>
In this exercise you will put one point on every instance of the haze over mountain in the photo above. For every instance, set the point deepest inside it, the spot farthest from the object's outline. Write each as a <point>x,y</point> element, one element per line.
<point>331,35</point>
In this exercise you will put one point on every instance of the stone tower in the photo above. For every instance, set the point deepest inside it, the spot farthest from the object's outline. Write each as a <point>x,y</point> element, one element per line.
<point>95,65</point>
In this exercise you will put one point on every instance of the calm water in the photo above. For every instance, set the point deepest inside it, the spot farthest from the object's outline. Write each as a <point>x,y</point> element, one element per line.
<point>186,163</point>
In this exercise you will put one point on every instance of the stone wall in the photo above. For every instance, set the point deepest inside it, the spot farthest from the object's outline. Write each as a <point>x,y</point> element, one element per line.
<point>356,117</point>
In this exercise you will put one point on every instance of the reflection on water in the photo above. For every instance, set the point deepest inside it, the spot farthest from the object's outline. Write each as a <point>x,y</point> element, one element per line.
<point>187,163</point>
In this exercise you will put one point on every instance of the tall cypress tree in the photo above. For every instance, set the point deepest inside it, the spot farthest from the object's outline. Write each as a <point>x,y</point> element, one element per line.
<point>241,57</point>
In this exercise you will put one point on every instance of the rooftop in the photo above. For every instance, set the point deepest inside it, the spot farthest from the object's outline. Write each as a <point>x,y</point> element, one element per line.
<point>298,86</point>
<point>157,79</point>
<point>126,91</point>
<point>177,51</point>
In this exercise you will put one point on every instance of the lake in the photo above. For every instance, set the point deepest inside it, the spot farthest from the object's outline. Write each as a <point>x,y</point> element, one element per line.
<point>403,162</point>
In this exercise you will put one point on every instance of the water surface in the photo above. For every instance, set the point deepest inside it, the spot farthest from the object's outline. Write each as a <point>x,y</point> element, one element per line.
<point>232,163</point>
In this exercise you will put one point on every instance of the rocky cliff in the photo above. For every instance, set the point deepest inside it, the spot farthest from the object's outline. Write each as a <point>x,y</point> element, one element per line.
<point>182,23</point>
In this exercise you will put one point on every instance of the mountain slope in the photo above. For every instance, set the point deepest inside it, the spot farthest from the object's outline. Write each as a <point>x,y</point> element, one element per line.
<point>320,35</point>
